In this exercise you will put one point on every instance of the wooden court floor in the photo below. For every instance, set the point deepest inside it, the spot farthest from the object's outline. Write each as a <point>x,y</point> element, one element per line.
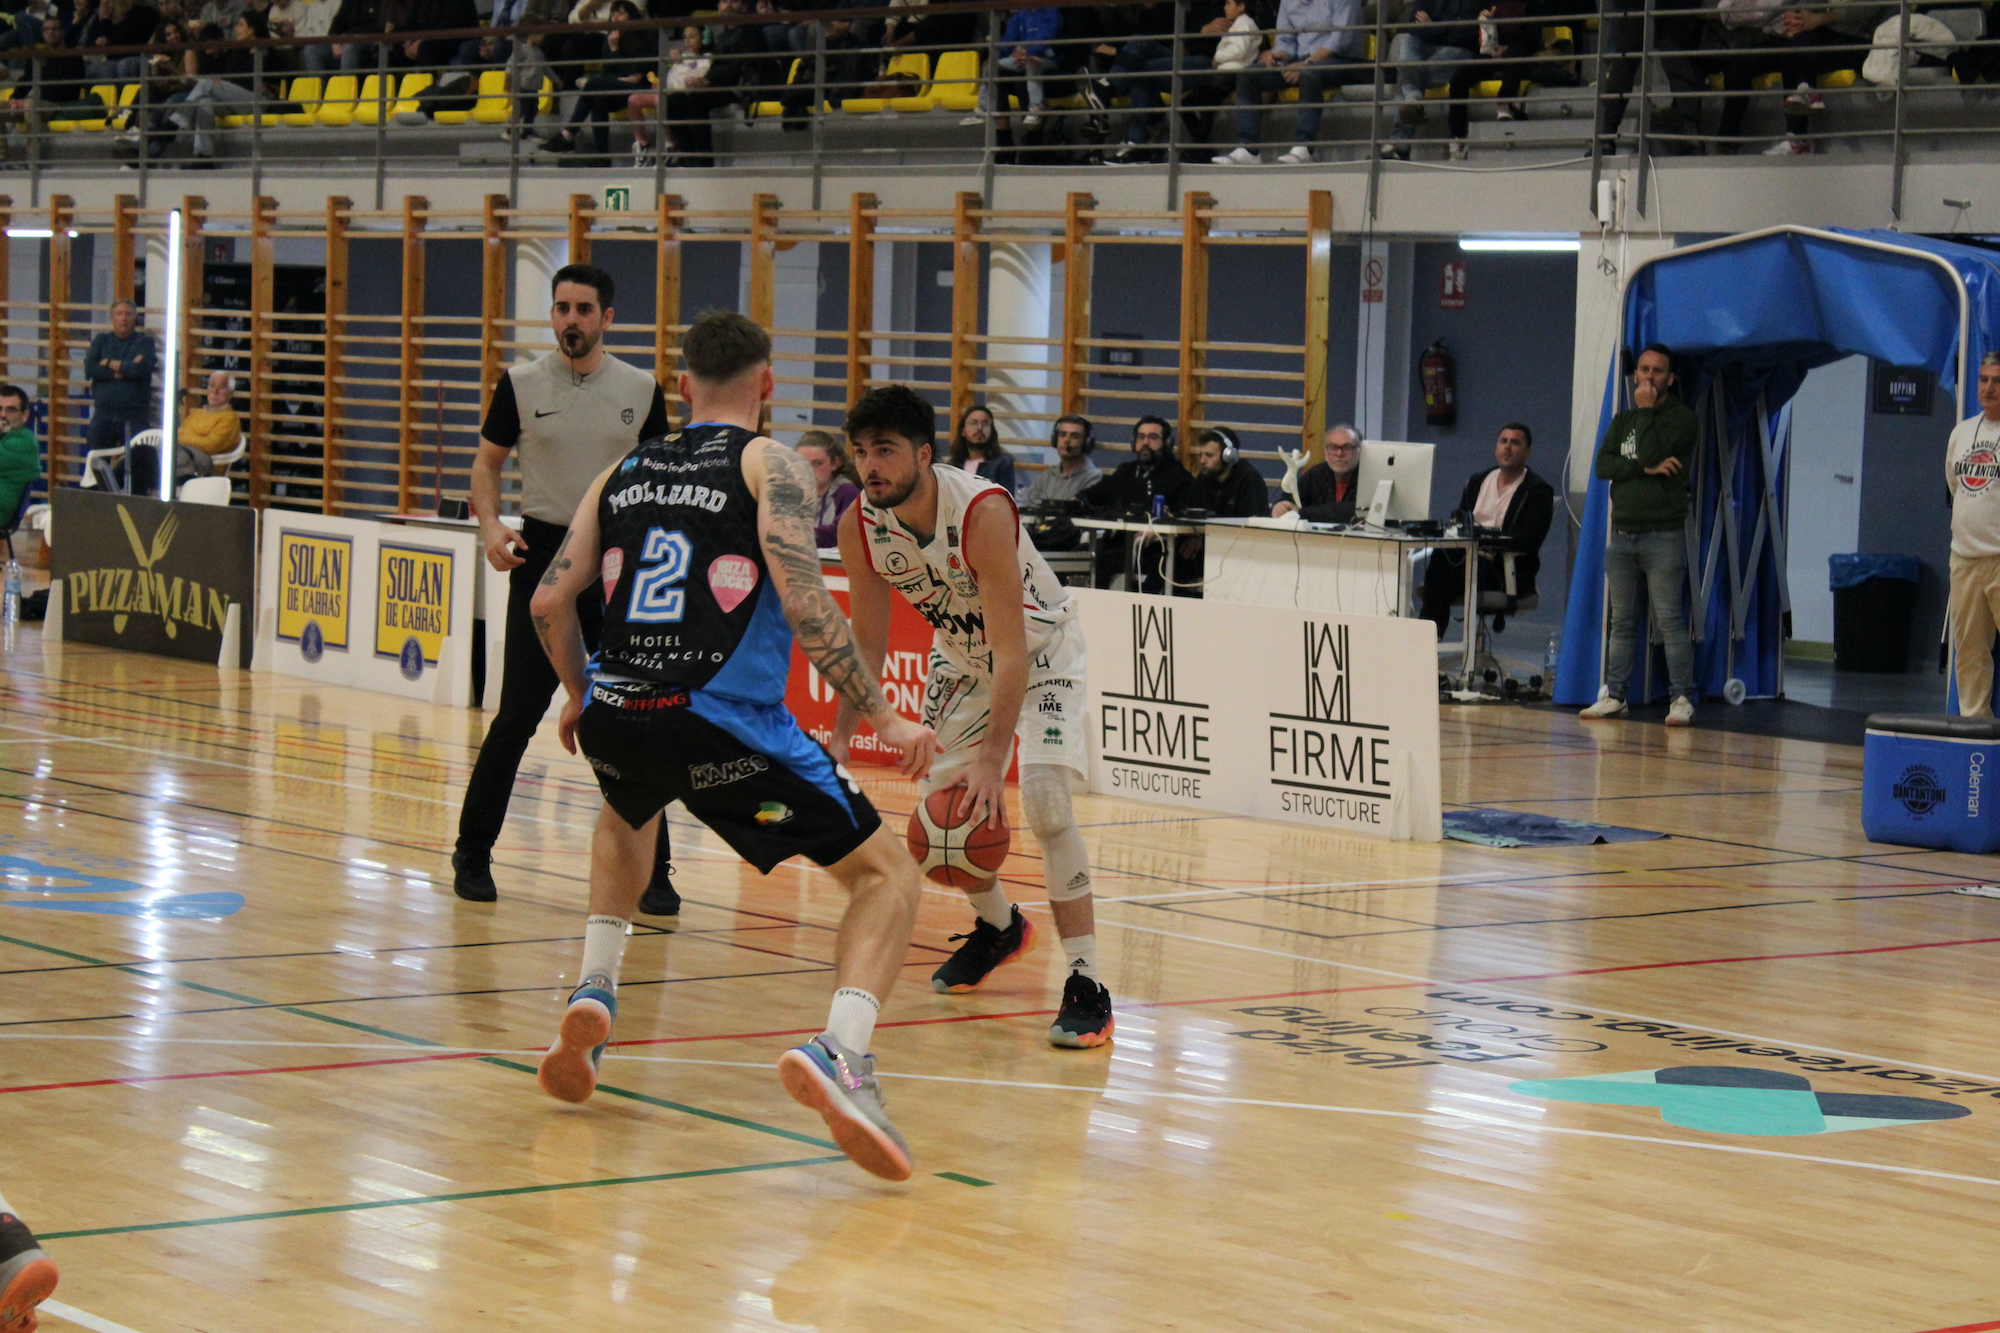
<point>260,1070</point>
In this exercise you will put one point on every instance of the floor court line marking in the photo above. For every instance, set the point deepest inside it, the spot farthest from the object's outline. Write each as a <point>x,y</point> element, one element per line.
<point>96,1323</point>
<point>1449,1118</point>
<point>460,1197</point>
<point>1584,972</point>
<point>1969,1328</point>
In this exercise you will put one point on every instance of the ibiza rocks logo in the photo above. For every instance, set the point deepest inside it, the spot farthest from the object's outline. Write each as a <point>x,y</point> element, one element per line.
<point>1978,469</point>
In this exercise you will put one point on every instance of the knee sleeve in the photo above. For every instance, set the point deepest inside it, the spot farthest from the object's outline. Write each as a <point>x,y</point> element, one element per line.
<point>1045,802</point>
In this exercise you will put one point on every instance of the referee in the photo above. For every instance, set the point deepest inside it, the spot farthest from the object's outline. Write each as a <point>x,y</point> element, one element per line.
<point>572,414</point>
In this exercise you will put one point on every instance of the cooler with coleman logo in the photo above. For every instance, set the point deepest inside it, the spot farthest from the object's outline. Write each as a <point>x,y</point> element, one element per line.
<point>1929,780</point>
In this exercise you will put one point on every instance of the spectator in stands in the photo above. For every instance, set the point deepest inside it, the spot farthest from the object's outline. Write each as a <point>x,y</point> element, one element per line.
<point>976,448</point>
<point>60,79</point>
<point>1154,473</point>
<point>20,454</point>
<point>209,424</point>
<point>218,14</point>
<point>1320,44</point>
<point>223,78</point>
<point>1805,34</point>
<point>1512,506</point>
<point>1025,39</point>
<point>355,19</point>
<point>1677,36</point>
<point>833,473</point>
<point>528,58</point>
<point>121,23</point>
<point>168,77</point>
<point>625,58</point>
<point>119,365</point>
<point>1970,64</point>
<point>851,63</point>
<point>1073,472</point>
<point>1645,456</point>
<point>690,63</point>
<point>918,29</point>
<point>1326,489</point>
<point>1146,66</point>
<point>23,26</point>
<point>457,85</point>
<point>1522,41</point>
<point>1445,33</point>
<point>736,49</point>
<point>308,18</point>
<point>426,16</point>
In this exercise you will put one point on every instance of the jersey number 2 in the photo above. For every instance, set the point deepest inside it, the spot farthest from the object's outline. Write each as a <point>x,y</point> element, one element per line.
<point>656,593</point>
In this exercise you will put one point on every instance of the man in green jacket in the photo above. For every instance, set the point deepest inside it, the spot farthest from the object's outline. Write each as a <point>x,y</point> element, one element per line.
<point>1645,456</point>
<point>20,455</point>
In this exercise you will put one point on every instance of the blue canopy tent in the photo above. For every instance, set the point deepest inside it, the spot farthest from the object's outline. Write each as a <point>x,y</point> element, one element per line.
<point>1747,317</point>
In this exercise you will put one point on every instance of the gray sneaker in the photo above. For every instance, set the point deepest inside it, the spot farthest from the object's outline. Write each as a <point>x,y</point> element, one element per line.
<point>828,1078</point>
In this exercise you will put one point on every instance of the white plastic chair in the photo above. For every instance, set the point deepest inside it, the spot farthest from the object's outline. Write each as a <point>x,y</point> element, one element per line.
<point>223,462</point>
<point>115,454</point>
<point>205,491</point>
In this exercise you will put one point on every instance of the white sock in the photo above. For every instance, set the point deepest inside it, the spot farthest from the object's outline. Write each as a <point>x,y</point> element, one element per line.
<point>603,947</point>
<point>993,907</point>
<point>1081,955</point>
<point>851,1020</point>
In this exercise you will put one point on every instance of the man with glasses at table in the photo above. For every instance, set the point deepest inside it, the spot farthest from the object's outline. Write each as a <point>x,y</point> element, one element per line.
<point>1326,490</point>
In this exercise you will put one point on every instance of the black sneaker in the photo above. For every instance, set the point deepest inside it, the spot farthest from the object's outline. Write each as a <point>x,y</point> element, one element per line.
<point>27,1277</point>
<point>1085,1017</point>
<point>661,899</point>
<point>984,949</point>
<point>472,876</point>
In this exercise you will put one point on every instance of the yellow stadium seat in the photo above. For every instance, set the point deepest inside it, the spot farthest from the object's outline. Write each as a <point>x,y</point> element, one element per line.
<point>917,66</point>
<point>547,103</point>
<point>105,93</point>
<point>304,91</point>
<point>921,100</point>
<point>1764,83</point>
<point>955,87</point>
<point>336,107</point>
<point>369,107</point>
<point>1839,78</point>
<point>491,108</point>
<point>406,99</point>
<point>1550,36</point>
<point>777,108</point>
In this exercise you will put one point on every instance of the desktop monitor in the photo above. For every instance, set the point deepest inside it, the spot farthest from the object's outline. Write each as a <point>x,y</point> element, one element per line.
<point>1408,466</point>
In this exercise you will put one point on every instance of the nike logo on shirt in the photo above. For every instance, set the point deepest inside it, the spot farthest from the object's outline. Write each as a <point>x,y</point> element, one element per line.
<point>539,415</point>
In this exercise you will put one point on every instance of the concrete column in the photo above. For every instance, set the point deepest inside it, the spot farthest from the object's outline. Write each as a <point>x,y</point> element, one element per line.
<point>895,305</point>
<point>1383,367</point>
<point>1017,306</point>
<point>535,265</point>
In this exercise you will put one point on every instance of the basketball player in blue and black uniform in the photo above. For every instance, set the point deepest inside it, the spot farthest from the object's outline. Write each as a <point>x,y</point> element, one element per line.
<point>704,544</point>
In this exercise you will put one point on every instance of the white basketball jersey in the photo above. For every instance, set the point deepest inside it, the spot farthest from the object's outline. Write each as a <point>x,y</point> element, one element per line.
<point>936,579</point>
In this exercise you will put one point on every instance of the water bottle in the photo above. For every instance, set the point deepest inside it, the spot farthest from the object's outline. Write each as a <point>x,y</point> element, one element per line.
<point>12,612</point>
<point>1549,662</point>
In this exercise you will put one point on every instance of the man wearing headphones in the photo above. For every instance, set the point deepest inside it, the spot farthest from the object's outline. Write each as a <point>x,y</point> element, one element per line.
<point>1153,473</point>
<point>1072,440</point>
<point>1224,485</point>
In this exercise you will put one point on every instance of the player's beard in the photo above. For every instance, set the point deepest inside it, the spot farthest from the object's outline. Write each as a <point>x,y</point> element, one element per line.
<point>897,495</point>
<point>576,344</point>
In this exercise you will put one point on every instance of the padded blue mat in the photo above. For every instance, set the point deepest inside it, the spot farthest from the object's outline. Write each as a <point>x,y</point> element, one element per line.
<point>1506,828</point>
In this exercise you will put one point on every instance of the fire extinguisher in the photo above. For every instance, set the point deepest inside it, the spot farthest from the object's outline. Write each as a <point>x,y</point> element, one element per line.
<point>1439,372</point>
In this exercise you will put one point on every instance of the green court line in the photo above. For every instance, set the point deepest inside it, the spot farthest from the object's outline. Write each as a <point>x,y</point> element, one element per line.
<point>683,1108</point>
<point>963,1180</point>
<point>438,1198</point>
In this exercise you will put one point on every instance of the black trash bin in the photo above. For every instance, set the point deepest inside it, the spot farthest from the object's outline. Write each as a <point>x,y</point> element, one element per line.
<point>1874,600</point>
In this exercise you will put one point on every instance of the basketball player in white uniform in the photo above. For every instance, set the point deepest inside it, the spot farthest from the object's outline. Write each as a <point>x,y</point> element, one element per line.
<point>1007,660</point>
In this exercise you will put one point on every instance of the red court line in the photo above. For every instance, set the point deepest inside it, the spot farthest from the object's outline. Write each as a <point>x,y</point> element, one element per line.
<point>1968,1328</point>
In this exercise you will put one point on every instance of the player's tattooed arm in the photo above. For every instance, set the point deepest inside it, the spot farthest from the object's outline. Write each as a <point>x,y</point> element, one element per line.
<point>558,565</point>
<point>790,509</point>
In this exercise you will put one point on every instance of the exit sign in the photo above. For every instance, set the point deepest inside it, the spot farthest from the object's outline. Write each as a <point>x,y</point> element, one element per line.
<point>618,199</point>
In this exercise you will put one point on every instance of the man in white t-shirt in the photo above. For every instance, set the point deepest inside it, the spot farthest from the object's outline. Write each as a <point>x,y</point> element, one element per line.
<point>1972,471</point>
<point>1512,507</point>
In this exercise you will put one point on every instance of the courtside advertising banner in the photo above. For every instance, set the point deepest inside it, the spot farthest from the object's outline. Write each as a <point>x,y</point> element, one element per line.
<point>151,576</point>
<point>381,606</point>
<point>1315,718</point>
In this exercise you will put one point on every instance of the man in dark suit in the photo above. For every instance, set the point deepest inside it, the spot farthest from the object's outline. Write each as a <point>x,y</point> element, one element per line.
<point>1510,499</point>
<point>1326,490</point>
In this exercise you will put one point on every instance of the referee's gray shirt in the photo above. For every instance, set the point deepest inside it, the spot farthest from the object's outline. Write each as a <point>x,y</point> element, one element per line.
<point>570,427</point>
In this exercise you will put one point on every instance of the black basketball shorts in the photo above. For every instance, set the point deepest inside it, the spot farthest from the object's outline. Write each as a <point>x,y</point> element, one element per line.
<point>745,770</point>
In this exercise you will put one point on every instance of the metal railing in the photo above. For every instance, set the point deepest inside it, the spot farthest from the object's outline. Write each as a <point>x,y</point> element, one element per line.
<point>876,89</point>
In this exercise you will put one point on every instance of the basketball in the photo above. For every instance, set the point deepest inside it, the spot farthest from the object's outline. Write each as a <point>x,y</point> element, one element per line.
<point>953,851</point>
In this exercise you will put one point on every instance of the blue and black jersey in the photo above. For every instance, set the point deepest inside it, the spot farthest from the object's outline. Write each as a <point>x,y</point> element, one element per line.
<point>688,598</point>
